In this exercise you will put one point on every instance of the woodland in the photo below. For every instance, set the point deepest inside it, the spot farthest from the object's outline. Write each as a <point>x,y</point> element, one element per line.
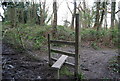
<point>25,28</point>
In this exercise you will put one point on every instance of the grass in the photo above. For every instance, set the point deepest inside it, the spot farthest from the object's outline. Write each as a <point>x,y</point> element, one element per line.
<point>81,76</point>
<point>95,46</point>
<point>66,71</point>
<point>114,65</point>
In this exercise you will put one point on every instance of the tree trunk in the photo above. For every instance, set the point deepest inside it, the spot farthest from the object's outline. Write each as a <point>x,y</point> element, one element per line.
<point>96,25</point>
<point>105,24</point>
<point>41,17</point>
<point>55,18</point>
<point>34,12</point>
<point>103,13</point>
<point>85,24</point>
<point>44,12</point>
<point>73,15</point>
<point>113,5</point>
<point>12,15</point>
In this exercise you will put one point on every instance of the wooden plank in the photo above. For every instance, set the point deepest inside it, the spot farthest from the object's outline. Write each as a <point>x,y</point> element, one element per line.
<point>62,52</point>
<point>59,62</point>
<point>67,63</point>
<point>77,69</point>
<point>63,42</point>
<point>49,56</point>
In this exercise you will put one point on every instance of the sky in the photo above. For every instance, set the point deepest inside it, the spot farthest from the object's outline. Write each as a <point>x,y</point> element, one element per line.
<point>63,11</point>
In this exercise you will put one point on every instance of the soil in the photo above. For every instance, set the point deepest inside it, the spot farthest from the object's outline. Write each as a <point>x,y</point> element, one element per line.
<point>21,66</point>
<point>94,64</point>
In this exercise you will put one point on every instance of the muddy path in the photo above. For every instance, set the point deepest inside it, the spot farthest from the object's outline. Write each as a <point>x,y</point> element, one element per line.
<point>94,64</point>
<point>21,66</point>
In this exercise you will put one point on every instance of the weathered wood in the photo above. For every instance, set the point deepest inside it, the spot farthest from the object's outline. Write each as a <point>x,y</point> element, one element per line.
<point>58,74</point>
<point>62,52</point>
<point>62,42</point>
<point>77,45</point>
<point>59,62</point>
<point>118,58</point>
<point>49,56</point>
<point>67,63</point>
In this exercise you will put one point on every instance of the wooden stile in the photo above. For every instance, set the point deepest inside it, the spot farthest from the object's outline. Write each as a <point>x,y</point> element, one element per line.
<point>59,62</point>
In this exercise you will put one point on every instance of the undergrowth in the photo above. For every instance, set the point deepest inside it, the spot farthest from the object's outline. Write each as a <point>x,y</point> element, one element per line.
<point>114,64</point>
<point>35,37</point>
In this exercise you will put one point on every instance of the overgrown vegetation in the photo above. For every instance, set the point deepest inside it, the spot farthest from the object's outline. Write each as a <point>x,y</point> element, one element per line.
<point>34,37</point>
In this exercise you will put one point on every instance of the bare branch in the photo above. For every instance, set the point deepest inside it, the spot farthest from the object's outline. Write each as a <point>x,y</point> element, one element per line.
<point>80,7</point>
<point>117,11</point>
<point>69,8</point>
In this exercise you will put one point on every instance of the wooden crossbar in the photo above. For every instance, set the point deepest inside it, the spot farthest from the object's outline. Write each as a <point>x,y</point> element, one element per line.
<point>63,42</point>
<point>59,62</point>
<point>62,52</point>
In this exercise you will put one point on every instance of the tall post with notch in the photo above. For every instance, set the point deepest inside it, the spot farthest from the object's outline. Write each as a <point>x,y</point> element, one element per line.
<point>119,33</point>
<point>77,40</point>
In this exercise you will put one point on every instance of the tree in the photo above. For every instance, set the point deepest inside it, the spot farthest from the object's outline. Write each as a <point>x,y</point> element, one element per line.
<point>86,15</point>
<point>42,13</point>
<point>97,17</point>
<point>73,15</point>
<point>103,12</point>
<point>84,12</point>
<point>55,18</point>
<point>113,5</point>
<point>105,21</point>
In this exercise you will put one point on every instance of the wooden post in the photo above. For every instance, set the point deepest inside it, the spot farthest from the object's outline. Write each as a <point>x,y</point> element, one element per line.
<point>50,61</point>
<point>77,45</point>
<point>119,42</point>
<point>119,34</point>
<point>58,74</point>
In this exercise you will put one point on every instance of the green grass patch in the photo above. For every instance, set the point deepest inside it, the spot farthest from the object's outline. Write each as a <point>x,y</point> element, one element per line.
<point>65,71</point>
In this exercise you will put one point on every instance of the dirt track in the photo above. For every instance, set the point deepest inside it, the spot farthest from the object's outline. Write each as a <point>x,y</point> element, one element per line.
<point>94,64</point>
<point>21,66</point>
